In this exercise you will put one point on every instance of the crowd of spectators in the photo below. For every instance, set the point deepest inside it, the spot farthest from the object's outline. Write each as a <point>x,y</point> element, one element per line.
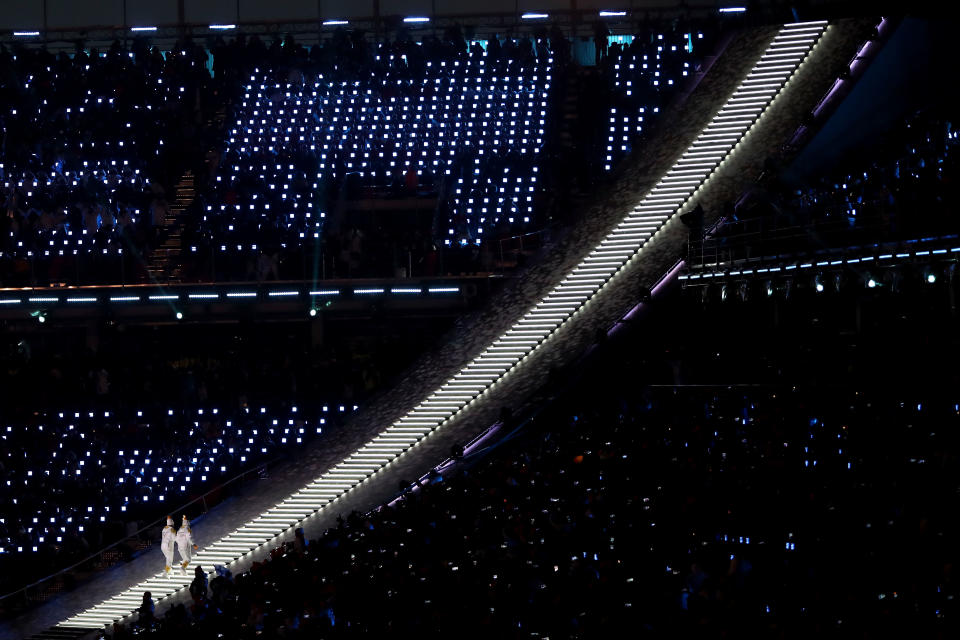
<point>633,83</point>
<point>136,367</point>
<point>643,75</point>
<point>91,143</point>
<point>72,483</point>
<point>280,136</point>
<point>898,188</point>
<point>736,503</point>
<point>460,124</point>
<point>787,480</point>
<point>97,443</point>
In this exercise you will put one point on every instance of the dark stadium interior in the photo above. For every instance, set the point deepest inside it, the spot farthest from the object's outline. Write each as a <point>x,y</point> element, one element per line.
<point>529,320</point>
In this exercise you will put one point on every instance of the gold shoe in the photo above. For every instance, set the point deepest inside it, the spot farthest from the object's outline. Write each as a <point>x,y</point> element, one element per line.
<point>167,568</point>
<point>184,565</point>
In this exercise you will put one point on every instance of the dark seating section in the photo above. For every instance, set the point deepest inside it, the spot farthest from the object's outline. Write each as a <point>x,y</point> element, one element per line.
<point>92,142</point>
<point>791,484</point>
<point>68,473</point>
<point>98,444</point>
<point>897,188</point>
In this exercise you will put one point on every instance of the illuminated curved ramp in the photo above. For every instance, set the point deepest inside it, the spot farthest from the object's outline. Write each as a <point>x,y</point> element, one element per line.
<point>782,57</point>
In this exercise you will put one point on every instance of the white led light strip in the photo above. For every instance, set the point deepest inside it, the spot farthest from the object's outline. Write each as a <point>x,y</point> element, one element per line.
<point>783,55</point>
<point>784,266</point>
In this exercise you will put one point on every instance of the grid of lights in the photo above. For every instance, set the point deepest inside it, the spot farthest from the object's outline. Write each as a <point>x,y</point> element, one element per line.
<point>783,55</point>
<point>659,66</point>
<point>457,118</point>
<point>146,475</point>
<point>114,158</point>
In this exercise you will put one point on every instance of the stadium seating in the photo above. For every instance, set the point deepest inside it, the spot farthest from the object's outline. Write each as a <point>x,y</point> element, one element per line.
<point>643,75</point>
<point>776,488</point>
<point>717,508</point>
<point>70,481</point>
<point>88,136</point>
<point>467,127</point>
<point>898,192</point>
<point>772,483</point>
<point>474,121</point>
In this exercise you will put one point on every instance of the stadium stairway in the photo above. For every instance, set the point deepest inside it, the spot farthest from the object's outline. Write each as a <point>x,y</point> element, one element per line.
<point>163,265</point>
<point>568,108</point>
<point>628,237</point>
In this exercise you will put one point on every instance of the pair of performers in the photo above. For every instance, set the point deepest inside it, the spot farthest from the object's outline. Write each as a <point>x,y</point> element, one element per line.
<point>183,540</point>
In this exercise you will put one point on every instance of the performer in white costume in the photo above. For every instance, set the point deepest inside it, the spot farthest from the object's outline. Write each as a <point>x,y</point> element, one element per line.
<point>167,541</point>
<point>185,543</point>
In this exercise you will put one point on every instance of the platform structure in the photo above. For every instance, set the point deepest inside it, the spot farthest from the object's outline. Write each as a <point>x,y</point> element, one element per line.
<point>783,56</point>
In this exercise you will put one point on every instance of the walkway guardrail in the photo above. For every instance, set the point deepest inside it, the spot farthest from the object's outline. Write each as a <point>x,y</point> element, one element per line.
<point>40,590</point>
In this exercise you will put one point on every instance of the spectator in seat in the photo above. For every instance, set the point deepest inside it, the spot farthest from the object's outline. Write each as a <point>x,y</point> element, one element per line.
<point>198,588</point>
<point>146,609</point>
<point>600,35</point>
<point>411,181</point>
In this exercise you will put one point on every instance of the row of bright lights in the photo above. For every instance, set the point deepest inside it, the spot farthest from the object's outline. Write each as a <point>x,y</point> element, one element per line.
<point>229,294</point>
<point>408,20</point>
<point>929,276</point>
<point>610,257</point>
<point>867,259</point>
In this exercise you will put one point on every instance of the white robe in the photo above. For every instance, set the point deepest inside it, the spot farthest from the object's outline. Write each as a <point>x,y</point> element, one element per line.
<point>185,543</point>
<point>167,541</point>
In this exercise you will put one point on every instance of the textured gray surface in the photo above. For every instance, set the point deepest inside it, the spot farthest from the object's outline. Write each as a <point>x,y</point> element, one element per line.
<point>475,331</point>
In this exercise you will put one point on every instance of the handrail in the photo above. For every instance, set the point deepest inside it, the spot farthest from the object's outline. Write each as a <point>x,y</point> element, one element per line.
<point>535,410</point>
<point>871,248</point>
<point>882,28</point>
<point>520,236</point>
<point>777,232</point>
<point>850,73</point>
<point>838,234</point>
<point>744,239</point>
<point>152,524</point>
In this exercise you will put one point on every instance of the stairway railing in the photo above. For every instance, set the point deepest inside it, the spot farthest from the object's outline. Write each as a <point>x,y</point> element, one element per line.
<point>36,586</point>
